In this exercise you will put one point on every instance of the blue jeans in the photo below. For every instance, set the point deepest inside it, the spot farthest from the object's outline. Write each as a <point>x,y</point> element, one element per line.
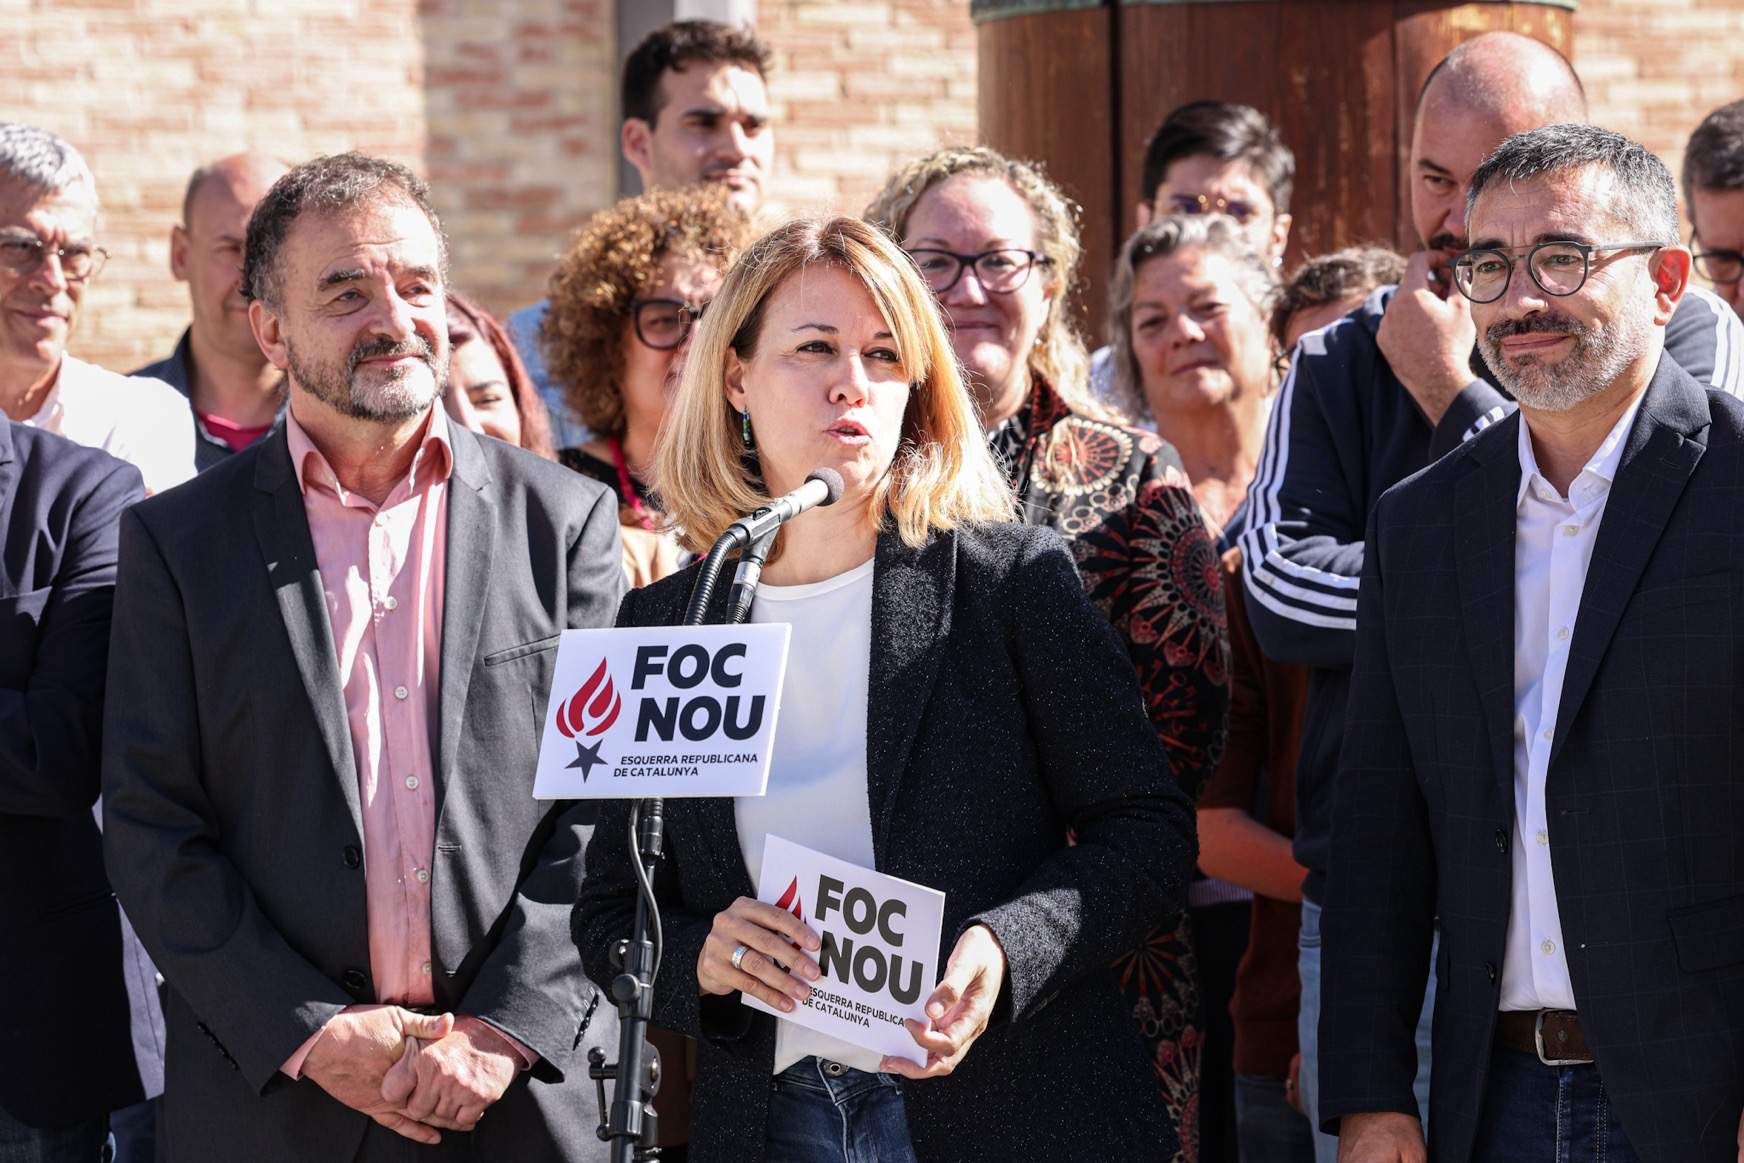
<point>824,1112</point>
<point>1267,1128</point>
<point>1557,1114</point>
<point>1308,1032</point>
<point>79,1143</point>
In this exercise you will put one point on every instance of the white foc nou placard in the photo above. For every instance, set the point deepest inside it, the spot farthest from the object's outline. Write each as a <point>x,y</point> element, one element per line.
<point>662,711</point>
<point>880,946</point>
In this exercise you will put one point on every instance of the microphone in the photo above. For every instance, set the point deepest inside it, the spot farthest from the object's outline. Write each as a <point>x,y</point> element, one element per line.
<point>822,487</point>
<point>753,535</point>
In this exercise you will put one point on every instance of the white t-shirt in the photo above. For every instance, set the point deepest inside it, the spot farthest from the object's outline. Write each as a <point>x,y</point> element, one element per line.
<point>140,420</point>
<point>817,775</point>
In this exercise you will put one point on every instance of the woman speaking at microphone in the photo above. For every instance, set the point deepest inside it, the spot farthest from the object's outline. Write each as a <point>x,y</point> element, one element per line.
<point>953,707</point>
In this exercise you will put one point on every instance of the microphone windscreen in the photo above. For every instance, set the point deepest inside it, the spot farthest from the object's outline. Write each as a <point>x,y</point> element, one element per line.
<point>832,482</point>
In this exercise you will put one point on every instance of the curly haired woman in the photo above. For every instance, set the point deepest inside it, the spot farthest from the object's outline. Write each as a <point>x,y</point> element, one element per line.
<point>624,301</point>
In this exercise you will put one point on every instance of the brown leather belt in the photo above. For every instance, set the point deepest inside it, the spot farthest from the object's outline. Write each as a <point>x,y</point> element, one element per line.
<point>1554,1035</point>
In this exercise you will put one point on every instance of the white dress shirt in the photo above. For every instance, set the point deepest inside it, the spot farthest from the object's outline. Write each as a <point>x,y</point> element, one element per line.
<point>1553,545</point>
<point>140,420</point>
<point>817,773</point>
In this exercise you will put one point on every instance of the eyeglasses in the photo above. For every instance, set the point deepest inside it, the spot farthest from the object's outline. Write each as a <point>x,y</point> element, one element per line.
<point>23,254</point>
<point>998,271</point>
<point>1719,266</point>
<point>1559,268</point>
<point>664,324</point>
<point>1204,204</point>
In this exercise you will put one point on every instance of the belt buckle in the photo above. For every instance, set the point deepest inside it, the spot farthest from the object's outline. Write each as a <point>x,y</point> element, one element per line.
<point>1538,1041</point>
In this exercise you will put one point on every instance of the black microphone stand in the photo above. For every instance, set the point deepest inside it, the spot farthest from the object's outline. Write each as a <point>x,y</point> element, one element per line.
<point>631,1124</point>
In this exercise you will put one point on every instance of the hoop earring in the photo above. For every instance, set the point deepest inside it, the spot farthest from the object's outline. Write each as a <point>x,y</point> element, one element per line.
<point>745,429</point>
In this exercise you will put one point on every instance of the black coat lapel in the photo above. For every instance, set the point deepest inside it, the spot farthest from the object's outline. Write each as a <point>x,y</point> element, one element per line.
<point>912,592</point>
<point>1487,516</point>
<point>282,527</point>
<point>1661,453</point>
<point>472,531</point>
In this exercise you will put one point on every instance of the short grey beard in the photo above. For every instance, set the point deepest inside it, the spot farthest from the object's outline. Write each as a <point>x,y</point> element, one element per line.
<point>395,400</point>
<point>1598,359</point>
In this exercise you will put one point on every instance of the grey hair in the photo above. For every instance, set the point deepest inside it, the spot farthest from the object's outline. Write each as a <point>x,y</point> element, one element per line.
<point>42,161</point>
<point>1646,198</point>
<point>325,185</point>
<point>1714,158</point>
<point>1164,236</point>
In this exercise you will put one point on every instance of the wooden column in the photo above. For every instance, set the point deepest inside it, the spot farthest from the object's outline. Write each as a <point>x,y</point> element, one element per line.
<point>1081,87</point>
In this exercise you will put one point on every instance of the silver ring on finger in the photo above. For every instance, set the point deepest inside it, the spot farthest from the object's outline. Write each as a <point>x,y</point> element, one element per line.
<point>739,956</point>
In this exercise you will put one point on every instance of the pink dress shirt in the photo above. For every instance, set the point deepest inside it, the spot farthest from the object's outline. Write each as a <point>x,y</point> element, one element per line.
<point>382,569</point>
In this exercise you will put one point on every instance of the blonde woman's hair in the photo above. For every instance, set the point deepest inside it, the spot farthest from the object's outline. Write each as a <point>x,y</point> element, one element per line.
<point>942,476</point>
<point>1059,355</point>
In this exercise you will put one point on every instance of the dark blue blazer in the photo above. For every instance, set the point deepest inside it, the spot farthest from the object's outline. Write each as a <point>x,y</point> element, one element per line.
<point>1645,792</point>
<point>65,1047</point>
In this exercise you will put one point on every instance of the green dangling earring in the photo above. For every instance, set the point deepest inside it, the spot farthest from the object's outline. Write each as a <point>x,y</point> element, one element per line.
<point>745,429</point>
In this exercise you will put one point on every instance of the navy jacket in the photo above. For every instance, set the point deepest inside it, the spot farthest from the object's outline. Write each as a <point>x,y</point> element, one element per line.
<point>65,1050</point>
<point>1644,793</point>
<point>1343,431</point>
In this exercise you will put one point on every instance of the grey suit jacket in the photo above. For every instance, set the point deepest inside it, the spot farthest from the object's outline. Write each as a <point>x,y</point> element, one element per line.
<point>233,831</point>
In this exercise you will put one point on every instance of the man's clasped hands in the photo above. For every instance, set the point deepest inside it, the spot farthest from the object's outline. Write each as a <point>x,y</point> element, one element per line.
<point>416,1074</point>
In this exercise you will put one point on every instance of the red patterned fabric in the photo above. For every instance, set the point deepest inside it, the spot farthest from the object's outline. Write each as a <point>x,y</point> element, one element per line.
<point>1122,501</point>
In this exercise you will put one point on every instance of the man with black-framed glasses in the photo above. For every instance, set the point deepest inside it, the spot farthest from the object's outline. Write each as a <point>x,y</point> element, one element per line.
<point>1541,753</point>
<point>1713,196</point>
<point>1380,395</point>
<point>48,257</point>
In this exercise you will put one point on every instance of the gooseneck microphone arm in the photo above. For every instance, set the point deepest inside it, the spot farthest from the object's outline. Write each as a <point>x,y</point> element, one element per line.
<point>629,1122</point>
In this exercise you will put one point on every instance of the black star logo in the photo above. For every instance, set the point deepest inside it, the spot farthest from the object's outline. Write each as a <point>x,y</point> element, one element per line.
<point>586,758</point>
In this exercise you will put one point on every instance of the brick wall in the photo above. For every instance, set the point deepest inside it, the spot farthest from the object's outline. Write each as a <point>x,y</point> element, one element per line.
<point>149,89</point>
<point>860,86</point>
<point>1654,69</point>
<point>509,108</point>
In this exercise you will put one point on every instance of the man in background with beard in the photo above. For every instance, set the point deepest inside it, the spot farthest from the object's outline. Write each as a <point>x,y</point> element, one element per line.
<point>328,660</point>
<point>1376,397</point>
<point>1542,751</point>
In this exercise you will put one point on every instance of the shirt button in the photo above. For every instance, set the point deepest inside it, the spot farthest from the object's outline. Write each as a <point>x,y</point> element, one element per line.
<point>1570,530</point>
<point>1561,631</point>
<point>424,969</point>
<point>401,692</point>
<point>423,875</point>
<point>1548,732</point>
<point>379,521</point>
<point>1543,838</point>
<point>412,782</point>
<point>1547,947</point>
<point>391,602</point>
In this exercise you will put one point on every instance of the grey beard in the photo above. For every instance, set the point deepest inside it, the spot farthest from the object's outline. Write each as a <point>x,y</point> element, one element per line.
<point>1600,355</point>
<point>397,399</point>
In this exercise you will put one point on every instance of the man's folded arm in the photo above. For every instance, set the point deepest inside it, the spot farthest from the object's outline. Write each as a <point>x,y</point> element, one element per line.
<point>193,910</point>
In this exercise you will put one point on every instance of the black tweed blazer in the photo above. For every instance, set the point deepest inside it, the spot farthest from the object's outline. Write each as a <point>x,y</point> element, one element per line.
<point>1003,711</point>
<point>1644,795</point>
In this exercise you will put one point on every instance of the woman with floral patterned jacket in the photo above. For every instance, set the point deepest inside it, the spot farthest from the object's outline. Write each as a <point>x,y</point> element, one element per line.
<point>998,244</point>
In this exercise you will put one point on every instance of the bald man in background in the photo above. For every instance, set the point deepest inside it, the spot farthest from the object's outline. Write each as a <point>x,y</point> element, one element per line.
<point>237,396</point>
<point>1373,399</point>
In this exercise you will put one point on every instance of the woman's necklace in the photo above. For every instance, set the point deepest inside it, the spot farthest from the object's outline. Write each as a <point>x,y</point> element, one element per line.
<point>627,488</point>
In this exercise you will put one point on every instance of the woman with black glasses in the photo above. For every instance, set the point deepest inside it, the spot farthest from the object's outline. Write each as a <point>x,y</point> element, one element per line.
<point>998,244</point>
<point>623,301</point>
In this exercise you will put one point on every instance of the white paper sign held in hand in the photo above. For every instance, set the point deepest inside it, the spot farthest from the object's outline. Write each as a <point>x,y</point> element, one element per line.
<point>880,952</point>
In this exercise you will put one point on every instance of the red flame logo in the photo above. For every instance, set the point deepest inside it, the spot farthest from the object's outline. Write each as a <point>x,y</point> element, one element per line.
<point>791,902</point>
<point>592,709</point>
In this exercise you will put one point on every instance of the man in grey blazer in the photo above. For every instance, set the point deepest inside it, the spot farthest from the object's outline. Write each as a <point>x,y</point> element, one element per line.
<point>328,666</point>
